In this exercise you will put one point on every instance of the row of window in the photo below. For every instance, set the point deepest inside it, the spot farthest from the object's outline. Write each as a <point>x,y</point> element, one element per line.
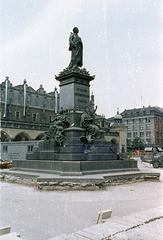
<point>137,113</point>
<point>159,141</point>
<point>159,120</point>
<point>35,99</point>
<point>141,134</point>
<point>34,117</point>
<point>140,120</point>
<point>157,126</point>
<point>159,134</point>
<point>29,148</point>
<point>141,127</point>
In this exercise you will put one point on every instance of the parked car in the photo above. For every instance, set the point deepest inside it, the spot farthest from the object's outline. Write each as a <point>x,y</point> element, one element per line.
<point>156,160</point>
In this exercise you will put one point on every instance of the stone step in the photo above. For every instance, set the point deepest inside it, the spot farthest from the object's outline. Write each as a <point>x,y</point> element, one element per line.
<point>143,225</point>
<point>86,235</point>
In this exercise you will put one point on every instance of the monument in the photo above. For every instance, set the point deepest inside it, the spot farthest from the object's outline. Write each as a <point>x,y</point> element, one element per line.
<point>74,145</point>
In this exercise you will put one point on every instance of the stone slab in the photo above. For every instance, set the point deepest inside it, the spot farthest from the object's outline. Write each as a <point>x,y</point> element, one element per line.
<point>4,230</point>
<point>103,216</point>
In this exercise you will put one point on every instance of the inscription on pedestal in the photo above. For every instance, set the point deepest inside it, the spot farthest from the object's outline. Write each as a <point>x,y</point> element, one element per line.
<point>81,95</point>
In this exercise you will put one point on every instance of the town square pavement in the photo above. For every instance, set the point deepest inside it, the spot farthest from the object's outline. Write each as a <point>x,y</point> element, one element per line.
<point>41,215</point>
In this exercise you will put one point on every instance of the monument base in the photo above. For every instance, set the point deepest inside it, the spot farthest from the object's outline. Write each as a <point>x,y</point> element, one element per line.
<point>74,168</point>
<point>74,158</point>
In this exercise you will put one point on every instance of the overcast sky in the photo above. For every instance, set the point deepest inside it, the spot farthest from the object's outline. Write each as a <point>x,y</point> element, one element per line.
<point>122,46</point>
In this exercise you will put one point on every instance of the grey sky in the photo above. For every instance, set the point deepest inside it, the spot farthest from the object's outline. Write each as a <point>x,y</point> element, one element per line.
<point>122,47</point>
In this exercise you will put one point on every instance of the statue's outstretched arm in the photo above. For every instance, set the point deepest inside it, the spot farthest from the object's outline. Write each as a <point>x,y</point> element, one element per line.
<point>94,111</point>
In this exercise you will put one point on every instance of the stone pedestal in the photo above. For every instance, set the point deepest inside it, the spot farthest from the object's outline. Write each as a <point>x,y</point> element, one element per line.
<point>74,90</point>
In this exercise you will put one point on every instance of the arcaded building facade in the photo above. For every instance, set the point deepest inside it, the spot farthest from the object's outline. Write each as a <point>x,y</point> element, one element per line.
<point>26,113</point>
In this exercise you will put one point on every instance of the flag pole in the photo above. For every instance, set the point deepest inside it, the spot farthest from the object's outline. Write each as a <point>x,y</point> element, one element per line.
<point>6,96</point>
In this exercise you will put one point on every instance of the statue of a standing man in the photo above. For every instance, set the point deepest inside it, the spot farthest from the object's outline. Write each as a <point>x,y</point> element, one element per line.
<point>76,48</point>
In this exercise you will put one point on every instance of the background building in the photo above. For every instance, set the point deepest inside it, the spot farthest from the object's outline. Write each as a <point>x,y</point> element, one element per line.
<point>25,113</point>
<point>146,123</point>
<point>117,133</point>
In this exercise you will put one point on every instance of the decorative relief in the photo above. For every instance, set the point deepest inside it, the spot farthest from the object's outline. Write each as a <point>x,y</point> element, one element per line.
<point>75,69</point>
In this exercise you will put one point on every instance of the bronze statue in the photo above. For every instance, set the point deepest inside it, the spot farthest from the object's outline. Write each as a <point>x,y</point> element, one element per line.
<point>56,131</point>
<point>87,122</point>
<point>76,48</point>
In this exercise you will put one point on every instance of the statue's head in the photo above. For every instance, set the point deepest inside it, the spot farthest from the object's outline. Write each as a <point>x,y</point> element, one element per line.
<point>76,30</point>
<point>86,109</point>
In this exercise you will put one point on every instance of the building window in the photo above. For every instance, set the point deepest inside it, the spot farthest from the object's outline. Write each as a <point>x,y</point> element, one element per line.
<point>5,149</point>
<point>148,140</point>
<point>20,98</point>
<point>141,134</point>
<point>129,128</point>
<point>45,101</point>
<point>124,122</point>
<point>141,127</point>
<point>135,127</point>
<point>148,127</point>
<point>135,121</point>
<point>161,127</point>
<point>161,141</point>
<point>135,134</point>
<point>148,134</point>
<point>158,142</point>
<point>157,127</point>
<point>2,95</point>
<point>52,103</point>
<point>50,118</point>
<point>34,117</point>
<point>157,119</point>
<point>128,135</point>
<point>143,141</point>
<point>157,134</point>
<point>30,148</point>
<point>17,115</point>
<point>37,100</point>
<point>141,120</point>
<point>29,99</point>
<point>148,120</point>
<point>160,134</point>
<point>129,142</point>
